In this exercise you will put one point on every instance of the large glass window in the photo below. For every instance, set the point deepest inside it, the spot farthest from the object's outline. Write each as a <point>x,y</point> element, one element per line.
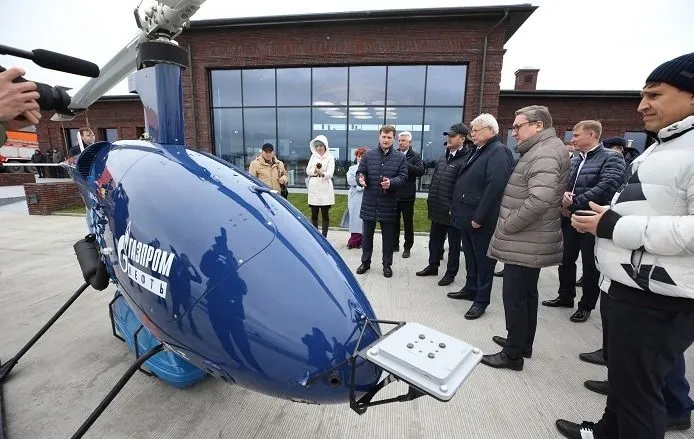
<point>260,127</point>
<point>110,134</point>
<point>367,85</point>
<point>294,87</point>
<point>259,88</point>
<point>408,119</point>
<point>330,86</point>
<point>289,106</point>
<point>228,135</point>
<point>406,85</point>
<point>226,88</point>
<point>437,120</point>
<point>293,137</point>
<point>446,85</point>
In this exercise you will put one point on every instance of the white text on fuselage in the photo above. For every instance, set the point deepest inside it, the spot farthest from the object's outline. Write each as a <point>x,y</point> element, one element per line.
<point>132,253</point>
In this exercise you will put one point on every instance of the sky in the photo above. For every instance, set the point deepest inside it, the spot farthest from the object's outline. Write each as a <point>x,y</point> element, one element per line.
<point>577,45</point>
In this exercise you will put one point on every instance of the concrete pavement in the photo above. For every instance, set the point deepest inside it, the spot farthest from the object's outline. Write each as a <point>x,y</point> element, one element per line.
<point>68,372</point>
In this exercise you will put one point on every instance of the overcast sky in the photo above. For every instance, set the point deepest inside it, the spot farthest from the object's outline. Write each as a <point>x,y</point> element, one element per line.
<point>577,45</point>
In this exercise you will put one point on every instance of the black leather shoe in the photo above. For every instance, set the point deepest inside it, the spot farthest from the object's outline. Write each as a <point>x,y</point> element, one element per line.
<point>499,273</point>
<point>679,424</point>
<point>363,268</point>
<point>601,387</point>
<point>558,303</point>
<point>406,253</point>
<point>501,361</point>
<point>571,429</point>
<point>430,270</point>
<point>475,311</point>
<point>580,316</point>
<point>501,341</point>
<point>579,282</point>
<point>387,272</point>
<point>446,280</point>
<point>462,295</point>
<point>595,357</point>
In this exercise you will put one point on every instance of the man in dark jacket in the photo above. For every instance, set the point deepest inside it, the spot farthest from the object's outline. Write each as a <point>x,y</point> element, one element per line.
<point>475,209</point>
<point>596,174</point>
<point>406,194</point>
<point>439,206</point>
<point>38,158</point>
<point>382,171</point>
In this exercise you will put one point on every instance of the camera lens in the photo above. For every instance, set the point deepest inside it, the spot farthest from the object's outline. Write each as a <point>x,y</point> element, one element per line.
<point>52,98</point>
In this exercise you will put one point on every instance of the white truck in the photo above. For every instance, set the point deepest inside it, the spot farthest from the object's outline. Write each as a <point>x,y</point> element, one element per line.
<point>19,148</point>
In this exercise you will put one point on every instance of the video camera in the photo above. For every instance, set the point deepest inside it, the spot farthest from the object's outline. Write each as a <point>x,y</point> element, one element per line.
<point>53,98</point>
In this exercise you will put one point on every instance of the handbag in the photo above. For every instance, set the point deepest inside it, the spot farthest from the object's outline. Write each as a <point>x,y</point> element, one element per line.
<point>283,187</point>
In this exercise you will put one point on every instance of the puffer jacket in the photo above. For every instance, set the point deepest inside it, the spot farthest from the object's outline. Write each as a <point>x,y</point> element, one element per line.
<point>528,232</point>
<point>320,189</point>
<point>442,184</point>
<point>272,174</point>
<point>377,204</point>
<point>415,168</point>
<point>646,239</point>
<point>601,176</point>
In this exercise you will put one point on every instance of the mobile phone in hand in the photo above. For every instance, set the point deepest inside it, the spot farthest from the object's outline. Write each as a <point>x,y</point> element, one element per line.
<point>585,213</point>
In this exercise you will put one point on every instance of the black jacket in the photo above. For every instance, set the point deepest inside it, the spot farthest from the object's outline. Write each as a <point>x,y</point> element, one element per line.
<point>601,176</point>
<point>415,168</point>
<point>442,183</point>
<point>480,186</point>
<point>376,204</point>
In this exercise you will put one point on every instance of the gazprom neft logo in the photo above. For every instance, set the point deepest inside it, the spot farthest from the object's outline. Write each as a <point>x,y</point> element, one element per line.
<point>138,260</point>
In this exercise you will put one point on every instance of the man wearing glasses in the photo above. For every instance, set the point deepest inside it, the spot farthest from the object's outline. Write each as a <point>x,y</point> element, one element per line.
<point>528,233</point>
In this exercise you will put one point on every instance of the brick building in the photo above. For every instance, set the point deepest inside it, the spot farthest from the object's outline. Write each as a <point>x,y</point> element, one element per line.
<point>287,79</point>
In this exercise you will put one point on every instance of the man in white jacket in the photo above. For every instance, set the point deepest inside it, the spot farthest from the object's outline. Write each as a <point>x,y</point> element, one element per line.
<point>645,253</point>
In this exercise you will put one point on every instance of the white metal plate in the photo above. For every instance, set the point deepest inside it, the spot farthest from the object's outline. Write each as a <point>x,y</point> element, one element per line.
<point>428,359</point>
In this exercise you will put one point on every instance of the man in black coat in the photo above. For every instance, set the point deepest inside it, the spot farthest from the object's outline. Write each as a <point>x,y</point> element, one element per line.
<point>406,195</point>
<point>439,206</point>
<point>475,209</point>
<point>596,174</point>
<point>382,171</point>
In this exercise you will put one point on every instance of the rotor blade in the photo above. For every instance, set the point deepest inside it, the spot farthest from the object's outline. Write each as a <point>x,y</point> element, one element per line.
<point>112,73</point>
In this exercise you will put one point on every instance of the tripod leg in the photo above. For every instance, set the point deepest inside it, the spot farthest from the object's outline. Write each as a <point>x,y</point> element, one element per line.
<point>7,367</point>
<point>116,389</point>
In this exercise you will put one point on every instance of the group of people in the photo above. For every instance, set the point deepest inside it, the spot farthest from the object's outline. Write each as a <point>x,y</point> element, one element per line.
<point>633,226</point>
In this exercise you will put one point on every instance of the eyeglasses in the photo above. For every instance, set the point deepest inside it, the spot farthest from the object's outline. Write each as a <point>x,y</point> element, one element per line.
<point>475,131</point>
<point>520,125</point>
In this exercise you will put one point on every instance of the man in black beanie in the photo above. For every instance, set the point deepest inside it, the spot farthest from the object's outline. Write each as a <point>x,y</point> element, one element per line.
<point>645,252</point>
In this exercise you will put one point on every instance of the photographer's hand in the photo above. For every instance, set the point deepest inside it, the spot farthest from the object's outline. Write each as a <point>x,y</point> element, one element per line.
<point>18,98</point>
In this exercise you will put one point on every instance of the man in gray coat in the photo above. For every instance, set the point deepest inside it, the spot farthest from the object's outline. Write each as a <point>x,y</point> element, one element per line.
<point>528,233</point>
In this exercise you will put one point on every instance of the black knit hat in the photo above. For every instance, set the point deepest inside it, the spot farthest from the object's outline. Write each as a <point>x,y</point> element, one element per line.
<point>268,147</point>
<point>678,72</point>
<point>615,141</point>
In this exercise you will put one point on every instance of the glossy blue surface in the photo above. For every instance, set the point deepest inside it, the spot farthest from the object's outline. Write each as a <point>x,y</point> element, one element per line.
<point>166,365</point>
<point>161,94</point>
<point>224,272</point>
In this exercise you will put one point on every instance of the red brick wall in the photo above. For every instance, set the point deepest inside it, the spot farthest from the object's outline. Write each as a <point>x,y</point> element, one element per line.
<point>617,115</point>
<point>125,116</point>
<point>294,45</point>
<point>46,198</point>
<point>10,179</point>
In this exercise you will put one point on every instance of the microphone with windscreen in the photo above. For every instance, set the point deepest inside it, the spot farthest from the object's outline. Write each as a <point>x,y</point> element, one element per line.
<point>55,61</point>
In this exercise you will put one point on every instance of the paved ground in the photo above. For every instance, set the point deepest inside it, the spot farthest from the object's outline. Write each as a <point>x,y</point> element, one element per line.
<point>57,385</point>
